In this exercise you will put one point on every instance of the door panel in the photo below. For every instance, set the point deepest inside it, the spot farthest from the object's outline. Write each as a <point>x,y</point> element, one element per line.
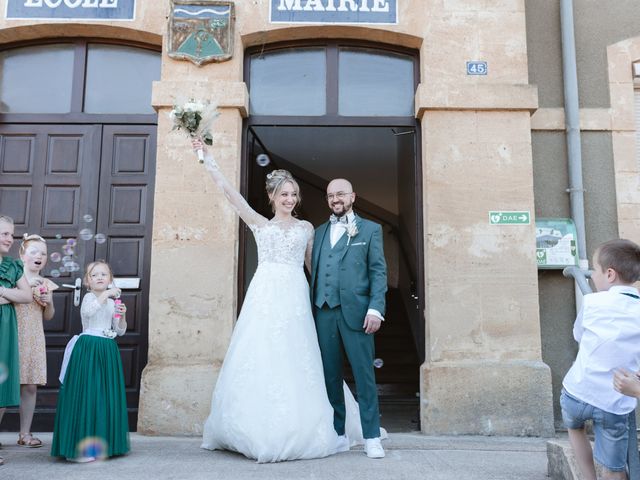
<point>125,211</point>
<point>56,180</point>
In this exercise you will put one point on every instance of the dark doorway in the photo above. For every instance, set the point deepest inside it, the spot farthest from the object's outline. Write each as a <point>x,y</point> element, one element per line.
<point>79,163</point>
<point>381,163</point>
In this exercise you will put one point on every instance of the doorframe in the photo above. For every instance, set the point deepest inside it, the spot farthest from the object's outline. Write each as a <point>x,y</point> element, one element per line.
<point>77,117</point>
<point>334,120</point>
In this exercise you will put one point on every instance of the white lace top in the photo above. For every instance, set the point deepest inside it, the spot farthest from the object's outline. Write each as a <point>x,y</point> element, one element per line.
<point>97,316</point>
<point>288,242</point>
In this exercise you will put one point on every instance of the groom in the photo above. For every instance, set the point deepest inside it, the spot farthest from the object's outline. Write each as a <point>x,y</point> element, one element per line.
<point>348,284</point>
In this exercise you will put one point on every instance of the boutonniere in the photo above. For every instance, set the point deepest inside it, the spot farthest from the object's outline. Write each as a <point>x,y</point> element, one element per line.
<point>352,231</point>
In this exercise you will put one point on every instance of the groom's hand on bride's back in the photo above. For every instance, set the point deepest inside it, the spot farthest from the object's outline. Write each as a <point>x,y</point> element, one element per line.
<point>371,324</point>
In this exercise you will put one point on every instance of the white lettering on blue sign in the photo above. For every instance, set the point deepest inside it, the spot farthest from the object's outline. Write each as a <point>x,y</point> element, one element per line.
<point>72,3</point>
<point>334,11</point>
<point>476,68</point>
<point>69,9</point>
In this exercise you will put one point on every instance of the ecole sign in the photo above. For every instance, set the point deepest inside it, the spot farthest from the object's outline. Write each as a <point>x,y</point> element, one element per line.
<point>69,9</point>
<point>334,11</point>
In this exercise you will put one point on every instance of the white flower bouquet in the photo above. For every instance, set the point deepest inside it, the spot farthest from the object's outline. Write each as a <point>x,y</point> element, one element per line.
<point>195,118</point>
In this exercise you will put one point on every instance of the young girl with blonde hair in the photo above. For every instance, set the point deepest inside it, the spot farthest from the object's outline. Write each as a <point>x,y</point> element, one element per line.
<point>14,288</point>
<point>92,404</point>
<point>31,340</point>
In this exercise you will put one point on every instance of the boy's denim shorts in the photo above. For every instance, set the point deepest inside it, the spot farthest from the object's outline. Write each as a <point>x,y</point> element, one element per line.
<point>611,431</point>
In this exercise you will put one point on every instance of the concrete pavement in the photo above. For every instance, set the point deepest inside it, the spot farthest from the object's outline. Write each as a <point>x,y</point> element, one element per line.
<point>409,456</point>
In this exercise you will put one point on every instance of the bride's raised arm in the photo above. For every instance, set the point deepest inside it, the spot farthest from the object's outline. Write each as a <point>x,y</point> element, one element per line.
<point>237,201</point>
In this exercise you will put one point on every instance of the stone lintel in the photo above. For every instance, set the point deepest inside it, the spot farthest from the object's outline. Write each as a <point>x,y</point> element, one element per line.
<point>486,397</point>
<point>475,97</point>
<point>225,94</point>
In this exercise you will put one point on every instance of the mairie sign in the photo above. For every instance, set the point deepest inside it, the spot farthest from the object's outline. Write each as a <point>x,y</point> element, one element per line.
<point>70,9</point>
<point>334,11</point>
<point>509,218</point>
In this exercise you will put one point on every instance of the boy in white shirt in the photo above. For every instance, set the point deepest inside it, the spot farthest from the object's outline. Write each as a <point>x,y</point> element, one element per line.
<point>608,331</point>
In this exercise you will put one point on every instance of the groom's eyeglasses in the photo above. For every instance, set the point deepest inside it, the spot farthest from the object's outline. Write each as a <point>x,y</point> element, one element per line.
<point>338,196</point>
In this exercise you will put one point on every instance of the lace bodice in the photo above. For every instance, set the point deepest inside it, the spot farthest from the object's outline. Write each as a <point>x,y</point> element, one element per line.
<point>279,243</point>
<point>97,316</point>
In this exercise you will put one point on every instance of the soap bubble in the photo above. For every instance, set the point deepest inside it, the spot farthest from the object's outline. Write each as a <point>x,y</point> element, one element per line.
<point>86,234</point>
<point>263,160</point>
<point>66,258</point>
<point>87,218</point>
<point>4,373</point>
<point>100,238</point>
<point>55,273</point>
<point>55,257</point>
<point>72,242</point>
<point>67,249</point>
<point>92,447</point>
<point>378,363</point>
<point>58,236</point>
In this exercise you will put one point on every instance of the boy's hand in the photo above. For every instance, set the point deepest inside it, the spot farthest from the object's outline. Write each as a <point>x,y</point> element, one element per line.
<point>626,382</point>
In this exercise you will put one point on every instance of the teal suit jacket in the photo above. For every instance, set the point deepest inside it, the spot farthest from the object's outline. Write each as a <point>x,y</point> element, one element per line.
<point>363,271</point>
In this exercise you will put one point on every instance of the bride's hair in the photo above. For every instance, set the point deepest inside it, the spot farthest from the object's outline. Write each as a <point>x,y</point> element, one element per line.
<point>276,180</point>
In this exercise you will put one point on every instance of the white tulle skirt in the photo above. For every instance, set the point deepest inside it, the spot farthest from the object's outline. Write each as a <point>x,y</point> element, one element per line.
<point>270,402</point>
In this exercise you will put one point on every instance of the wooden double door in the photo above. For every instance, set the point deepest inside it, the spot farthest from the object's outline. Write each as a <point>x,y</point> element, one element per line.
<point>92,185</point>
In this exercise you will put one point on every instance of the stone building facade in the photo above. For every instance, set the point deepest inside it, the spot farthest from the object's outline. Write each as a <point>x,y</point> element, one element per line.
<point>491,323</point>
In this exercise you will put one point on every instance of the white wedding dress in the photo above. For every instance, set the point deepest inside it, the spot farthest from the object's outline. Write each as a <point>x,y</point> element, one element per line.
<point>270,402</point>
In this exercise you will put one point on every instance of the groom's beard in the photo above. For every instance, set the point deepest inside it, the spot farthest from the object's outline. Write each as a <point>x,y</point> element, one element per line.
<point>340,209</point>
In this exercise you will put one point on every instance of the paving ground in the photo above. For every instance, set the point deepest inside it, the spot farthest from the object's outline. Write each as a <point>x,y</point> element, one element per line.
<point>409,456</point>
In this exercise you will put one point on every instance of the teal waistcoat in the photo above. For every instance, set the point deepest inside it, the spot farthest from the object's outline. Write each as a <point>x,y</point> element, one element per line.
<point>327,277</point>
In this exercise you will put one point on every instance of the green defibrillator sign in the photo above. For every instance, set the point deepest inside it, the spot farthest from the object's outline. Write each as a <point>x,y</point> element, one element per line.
<point>509,218</point>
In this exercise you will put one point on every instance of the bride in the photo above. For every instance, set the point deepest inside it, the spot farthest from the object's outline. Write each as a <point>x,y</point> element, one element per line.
<point>270,401</point>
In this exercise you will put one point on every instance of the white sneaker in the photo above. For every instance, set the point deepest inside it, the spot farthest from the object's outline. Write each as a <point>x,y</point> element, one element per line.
<point>342,445</point>
<point>373,448</point>
<point>82,459</point>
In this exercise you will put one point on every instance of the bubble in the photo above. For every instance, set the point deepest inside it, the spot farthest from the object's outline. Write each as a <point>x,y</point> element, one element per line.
<point>73,267</point>
<point>68,250</point>
<point>4,373</point>
<point>66,258</point>
<point>55,273</point>
<point>86,234</point>
<point>87,218</point>
<point>55,257</point>
<point>100,238</point>
<point>378,363</point>
<point>68,265</point>
<point>263,160</point>
<point>72,242</point>
<point>58,236</point>
<point>62,269</point>
<point>92,447</point>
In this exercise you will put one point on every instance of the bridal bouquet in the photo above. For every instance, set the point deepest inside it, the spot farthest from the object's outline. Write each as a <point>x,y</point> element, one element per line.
<point>195,118</point>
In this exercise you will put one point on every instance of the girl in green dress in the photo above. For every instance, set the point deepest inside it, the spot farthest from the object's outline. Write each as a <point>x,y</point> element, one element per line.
<point>14,288</point>
<point>91,418</point>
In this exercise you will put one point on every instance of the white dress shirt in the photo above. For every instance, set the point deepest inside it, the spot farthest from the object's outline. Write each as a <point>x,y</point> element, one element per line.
<point>337,231</point>
<point>608,331</point>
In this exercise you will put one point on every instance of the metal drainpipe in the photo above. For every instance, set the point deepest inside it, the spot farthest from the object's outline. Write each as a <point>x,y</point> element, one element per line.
<point>572,124</point>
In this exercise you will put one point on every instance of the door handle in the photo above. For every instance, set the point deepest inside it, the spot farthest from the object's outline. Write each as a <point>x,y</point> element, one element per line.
<point>76,294</point>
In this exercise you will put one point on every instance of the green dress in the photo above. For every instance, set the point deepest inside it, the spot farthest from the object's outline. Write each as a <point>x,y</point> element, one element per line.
<point>91,417</point>
<point>10,273</point>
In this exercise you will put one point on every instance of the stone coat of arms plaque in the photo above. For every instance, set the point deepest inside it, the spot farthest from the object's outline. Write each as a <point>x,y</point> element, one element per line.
<point>201,30</point>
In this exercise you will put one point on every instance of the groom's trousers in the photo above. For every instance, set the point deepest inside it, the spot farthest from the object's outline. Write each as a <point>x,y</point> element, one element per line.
<point>334,337</point>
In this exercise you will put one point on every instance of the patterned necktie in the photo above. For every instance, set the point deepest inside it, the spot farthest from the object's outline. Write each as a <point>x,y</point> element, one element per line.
<point>334,219</point>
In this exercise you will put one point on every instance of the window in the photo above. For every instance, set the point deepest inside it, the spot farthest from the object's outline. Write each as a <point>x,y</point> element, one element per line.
<point>78,77</point>
<point>36,79</point>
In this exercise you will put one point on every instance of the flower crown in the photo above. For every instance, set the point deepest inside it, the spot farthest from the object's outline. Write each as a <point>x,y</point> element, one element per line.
<point>26,237</point>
